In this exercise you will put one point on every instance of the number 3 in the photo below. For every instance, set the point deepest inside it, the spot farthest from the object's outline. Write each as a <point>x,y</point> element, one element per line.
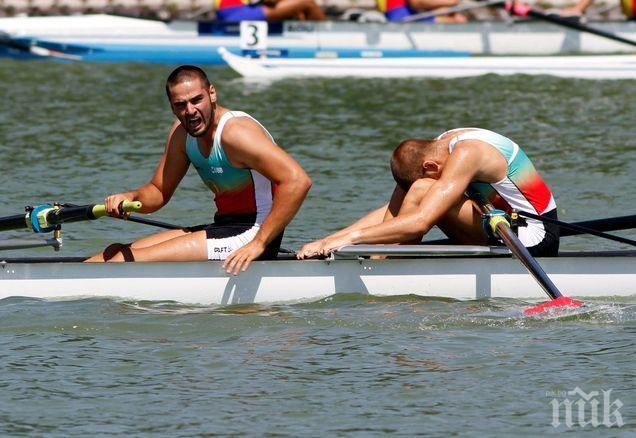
<point>254,34</point>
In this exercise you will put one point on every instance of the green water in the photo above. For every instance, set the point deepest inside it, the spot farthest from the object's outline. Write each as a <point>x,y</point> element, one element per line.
<point>349,365</point>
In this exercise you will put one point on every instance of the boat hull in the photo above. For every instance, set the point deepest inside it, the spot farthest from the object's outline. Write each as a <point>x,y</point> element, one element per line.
<point>463,278</point>
<point>584,67</point>
<point>114,39</point>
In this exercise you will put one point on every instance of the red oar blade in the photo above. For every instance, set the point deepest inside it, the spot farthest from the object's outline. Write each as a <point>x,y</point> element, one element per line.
<point>557,302</point>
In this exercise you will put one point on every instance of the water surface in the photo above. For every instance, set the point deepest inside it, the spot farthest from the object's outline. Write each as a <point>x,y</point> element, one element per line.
<point>347,365</point>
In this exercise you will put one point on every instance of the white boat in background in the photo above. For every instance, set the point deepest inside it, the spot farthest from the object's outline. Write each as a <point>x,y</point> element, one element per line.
<point>111,38</point>
<point>581,66</point>
<point>456,272</point>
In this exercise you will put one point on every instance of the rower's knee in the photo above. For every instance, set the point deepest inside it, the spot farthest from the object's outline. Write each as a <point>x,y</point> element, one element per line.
<point>414,196</point>
<point>118,252</point>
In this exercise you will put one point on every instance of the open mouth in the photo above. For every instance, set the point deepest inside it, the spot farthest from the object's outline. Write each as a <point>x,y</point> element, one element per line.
<point>195,123</point>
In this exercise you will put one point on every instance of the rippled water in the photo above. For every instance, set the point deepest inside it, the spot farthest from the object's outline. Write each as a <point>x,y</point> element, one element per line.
<point>344,365</point>
<point>347,365</point>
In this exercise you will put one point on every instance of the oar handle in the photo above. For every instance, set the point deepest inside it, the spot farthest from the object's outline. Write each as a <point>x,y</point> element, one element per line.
<point>99,210</point>
<point>57,215</point>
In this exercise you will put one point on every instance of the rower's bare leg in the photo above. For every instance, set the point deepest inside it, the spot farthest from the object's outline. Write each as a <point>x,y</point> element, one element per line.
<point>157,238</point>
<point>185,248</point>
<point>462,223</point>
<point>290,9</point>
<point>151,240</point>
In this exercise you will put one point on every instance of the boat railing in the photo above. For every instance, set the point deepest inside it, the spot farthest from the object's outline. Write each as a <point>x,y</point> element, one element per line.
<point>6,245</point>
<point>356,251</point>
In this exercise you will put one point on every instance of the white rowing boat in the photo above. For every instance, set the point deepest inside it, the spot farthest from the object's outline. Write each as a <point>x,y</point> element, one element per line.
<point>582,66</point>
<point>456,272</point>
<point>110,38</point>
<point>447,271</point>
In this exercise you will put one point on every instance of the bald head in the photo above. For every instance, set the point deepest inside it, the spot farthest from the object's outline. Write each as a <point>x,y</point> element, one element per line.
<point>185,73</point>
<point>407,159</point>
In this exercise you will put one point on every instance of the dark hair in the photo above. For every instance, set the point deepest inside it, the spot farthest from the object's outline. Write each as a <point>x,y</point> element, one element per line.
<point>184,72</point>
<point>406,161</point>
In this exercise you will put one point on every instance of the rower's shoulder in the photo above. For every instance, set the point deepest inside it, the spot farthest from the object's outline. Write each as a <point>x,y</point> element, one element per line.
<point>240,120</point>
<point>177,136</point>
<point>241,127</point>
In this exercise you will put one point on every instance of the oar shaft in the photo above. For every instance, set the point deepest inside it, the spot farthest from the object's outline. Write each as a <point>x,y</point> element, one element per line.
<point>609,224</point>
<point>578,228</point>
<point>14,222</point>
<point>42,217</point>
<point>502,229</point>
<point>580,27</point>
<point>153,223</point>
<point>523,10</point>
<point>70,214</point>
<point>76,213</point>
<point>524,256</point>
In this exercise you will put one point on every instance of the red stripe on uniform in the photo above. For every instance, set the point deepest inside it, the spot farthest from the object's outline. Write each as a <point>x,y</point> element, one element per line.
<point>538,194</point>
<point>224,4</point>
<point>236,201</point>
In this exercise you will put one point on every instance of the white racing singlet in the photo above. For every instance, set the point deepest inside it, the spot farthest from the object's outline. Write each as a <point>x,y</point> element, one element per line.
<point>522,188</point>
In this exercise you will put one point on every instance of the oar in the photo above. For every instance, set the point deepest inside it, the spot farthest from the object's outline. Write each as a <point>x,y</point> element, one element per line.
<point>607,224</point>
<point>44,218</point>
<point>523,10</point>
<point>594,227</point>
<point>141,220</point>
<point>34,48</point>
<point>151,222</point>
<point>500,227</point>
<point>451,10</point>
<point>577,228</point>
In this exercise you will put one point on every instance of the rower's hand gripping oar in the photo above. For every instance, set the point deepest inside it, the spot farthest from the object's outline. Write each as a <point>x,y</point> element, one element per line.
<point>500,226</point>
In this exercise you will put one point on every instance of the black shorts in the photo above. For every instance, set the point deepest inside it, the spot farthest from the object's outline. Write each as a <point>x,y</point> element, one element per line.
<point>228,233</point>
<point>549,246</point>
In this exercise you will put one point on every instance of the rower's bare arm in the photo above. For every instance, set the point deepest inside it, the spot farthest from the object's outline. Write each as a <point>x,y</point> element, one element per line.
<point>441,196</point>
<point>169,172</point>
<point>427,5</point>
<point>377,216</point>
<point>247,146</point>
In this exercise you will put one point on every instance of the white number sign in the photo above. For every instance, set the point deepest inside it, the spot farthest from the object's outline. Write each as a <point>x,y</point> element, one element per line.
<point>253,35</point>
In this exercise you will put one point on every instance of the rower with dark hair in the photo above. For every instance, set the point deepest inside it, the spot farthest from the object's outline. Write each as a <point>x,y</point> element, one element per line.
<point>433,179</point>
<point>258,187</point>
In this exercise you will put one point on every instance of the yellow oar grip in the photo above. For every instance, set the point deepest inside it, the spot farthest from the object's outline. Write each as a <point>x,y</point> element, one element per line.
<point>99,210</point>
<point>130,206</point>
<point>494,221</point>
